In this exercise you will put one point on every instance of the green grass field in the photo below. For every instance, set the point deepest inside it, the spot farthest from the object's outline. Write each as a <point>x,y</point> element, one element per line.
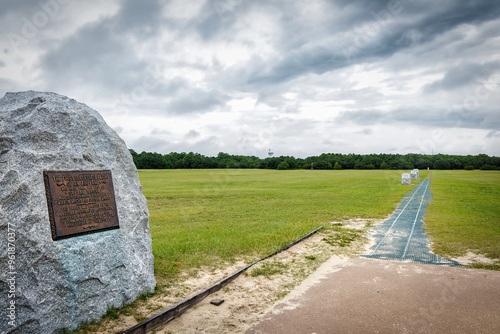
<point>464,214</point>
<point>202,217</point>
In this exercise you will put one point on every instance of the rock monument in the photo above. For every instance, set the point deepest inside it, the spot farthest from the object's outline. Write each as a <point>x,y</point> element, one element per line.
<point>405,178</point>
<point>414,174</point>
<point>74,225</point>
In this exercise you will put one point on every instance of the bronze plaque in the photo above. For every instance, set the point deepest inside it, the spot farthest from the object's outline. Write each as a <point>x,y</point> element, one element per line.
<point>80,202</point>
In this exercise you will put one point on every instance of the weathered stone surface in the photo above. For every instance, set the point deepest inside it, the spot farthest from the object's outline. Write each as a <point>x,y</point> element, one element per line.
<point>405,178</point>
<point>414,174</point>
<point>60,284</point>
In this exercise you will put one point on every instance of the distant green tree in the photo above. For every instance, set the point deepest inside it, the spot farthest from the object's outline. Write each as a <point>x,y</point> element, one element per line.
<point>150,161</point>
<point>469,167</point>
<point>321,164</point>
<point>180,164</point>
<point>480,160</point>
<point>348,161</point>
<point>360,165</point>
<point>337,166</point>
<point>423,163</point>
<point>401,164</point>
<point>488,167</point>
<point>283,165</point>
<point>454,163</point>
<point>442,164</point>
<point>222,156</point>
<point>292,163</point>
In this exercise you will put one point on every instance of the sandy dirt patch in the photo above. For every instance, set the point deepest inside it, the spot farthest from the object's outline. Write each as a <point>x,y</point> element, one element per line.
<point>471,258</point>
<point>249,297</point>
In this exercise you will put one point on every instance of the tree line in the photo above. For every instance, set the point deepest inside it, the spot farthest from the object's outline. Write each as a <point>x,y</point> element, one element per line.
<point>174,160</point>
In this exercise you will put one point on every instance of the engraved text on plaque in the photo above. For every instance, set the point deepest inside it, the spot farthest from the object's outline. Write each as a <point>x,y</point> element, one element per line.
<point>80,202</point>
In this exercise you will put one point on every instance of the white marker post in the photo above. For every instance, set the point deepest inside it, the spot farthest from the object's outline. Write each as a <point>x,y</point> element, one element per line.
<point>405,178</point>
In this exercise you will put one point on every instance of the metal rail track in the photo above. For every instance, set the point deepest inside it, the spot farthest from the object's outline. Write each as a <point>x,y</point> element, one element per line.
<point>179,308</point>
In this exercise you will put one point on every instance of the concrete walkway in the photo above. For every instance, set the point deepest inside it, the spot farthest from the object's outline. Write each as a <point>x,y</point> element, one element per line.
<point>374,296</point>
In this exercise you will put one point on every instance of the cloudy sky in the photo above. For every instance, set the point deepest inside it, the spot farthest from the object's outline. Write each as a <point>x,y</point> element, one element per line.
<point>240,76</point>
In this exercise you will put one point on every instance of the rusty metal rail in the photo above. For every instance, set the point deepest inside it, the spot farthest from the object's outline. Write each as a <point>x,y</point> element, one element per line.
<point>179,308</point>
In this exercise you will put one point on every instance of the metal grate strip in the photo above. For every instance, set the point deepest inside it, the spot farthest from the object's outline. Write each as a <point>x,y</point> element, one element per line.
<point>401,237</point>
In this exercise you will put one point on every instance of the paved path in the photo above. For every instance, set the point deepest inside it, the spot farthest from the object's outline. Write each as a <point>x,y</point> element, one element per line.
<point>374,296</point>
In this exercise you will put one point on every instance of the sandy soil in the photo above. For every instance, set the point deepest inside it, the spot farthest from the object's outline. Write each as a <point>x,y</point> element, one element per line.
<point>471,258</point>
<point>249,297</point>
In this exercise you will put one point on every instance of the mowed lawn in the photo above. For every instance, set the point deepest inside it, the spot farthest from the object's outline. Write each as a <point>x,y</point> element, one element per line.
<point>464,214</point>
<point>202,217</point>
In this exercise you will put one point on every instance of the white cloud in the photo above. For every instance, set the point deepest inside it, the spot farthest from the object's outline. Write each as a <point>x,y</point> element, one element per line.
<point>240,76</point>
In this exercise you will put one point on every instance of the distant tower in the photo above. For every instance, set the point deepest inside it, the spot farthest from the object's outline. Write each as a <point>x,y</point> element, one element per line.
<point>270,153</point>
